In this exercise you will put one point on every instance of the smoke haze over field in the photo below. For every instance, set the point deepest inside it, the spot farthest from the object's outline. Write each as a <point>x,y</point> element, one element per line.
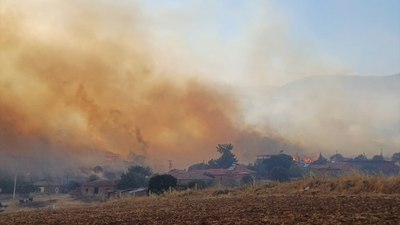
<point>80,79</point>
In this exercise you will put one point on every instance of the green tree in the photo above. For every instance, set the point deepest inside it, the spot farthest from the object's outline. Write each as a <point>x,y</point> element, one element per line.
<point>280,173</point>
<point>6,182</point>
<point>71,186</point>
<point>26,187</point>
<point>161,183</point>
<point>98,169</point>
<point>198,166</point>
<point>296,171</point>
<point>396,156</point>
<point>370,170</point>
<point>110,175</point>
<point>320,161</point>
<point>336,157</point>
<point>135,177</point>
<point>92,177</point>
<point>281,160</point>
<point>378,158</point>
<point>227,158</point>
<point>360,157</point>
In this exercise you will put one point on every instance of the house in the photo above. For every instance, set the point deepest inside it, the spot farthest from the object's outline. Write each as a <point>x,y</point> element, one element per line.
<point>233,176</point>
<point>99,188</point>
<point>186,177</point>
<point>48,187</point>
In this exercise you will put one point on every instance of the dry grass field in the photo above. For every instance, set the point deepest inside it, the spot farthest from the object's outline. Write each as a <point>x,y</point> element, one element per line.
<point>348,200</point>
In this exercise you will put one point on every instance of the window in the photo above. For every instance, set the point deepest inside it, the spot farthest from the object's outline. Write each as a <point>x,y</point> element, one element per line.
<point>96,190</point>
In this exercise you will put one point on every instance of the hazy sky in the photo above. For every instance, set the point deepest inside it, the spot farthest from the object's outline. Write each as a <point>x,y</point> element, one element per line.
<point>354,37</point>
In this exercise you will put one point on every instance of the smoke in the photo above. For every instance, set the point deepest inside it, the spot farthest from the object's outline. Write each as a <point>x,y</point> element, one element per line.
<point>82,82</point>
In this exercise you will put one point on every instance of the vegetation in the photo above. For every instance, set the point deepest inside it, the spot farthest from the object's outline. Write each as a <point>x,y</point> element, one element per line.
<point>71,186</point>
<point>226,160</point>
<point>277,167</point>
<point>280,173</point>
<point>396,156</point>
<point>378,158</point>
<point>320,161</point>
<point>23,186</point>
<point>336,157</point>
<point>135,177</point>
<point>198,166</point>
<point>361,157</point>
<point>161,183</point>
<point>92,177</point>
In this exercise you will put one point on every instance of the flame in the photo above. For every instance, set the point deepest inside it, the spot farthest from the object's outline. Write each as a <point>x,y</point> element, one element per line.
<point>304,159</point>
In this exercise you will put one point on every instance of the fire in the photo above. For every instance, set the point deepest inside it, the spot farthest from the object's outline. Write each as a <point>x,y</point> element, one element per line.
<point>304,159</point>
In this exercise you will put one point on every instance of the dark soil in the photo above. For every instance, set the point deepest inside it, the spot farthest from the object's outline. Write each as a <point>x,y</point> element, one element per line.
<point>226,209</point>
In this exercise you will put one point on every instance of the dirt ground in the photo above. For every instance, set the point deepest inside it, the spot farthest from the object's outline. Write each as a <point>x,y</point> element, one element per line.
<point>225,209</point>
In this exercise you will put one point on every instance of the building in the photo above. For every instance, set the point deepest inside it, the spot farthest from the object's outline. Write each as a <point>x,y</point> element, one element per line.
<point>48,187</point>
<point>234,176</point>
<point>184,177</point>
<point>99,188</point>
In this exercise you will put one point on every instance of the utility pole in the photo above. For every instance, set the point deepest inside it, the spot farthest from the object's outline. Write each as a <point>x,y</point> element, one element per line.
<point>15,185</point>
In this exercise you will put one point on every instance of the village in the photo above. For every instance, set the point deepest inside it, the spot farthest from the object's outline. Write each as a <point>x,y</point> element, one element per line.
<point>224,173</point>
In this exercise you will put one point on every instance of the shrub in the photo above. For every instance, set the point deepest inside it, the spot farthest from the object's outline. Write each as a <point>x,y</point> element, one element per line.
<point>280,174</point>
<point>161,183</point>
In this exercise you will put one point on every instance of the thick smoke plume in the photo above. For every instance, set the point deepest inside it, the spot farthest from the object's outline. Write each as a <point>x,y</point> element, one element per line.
<point>83,85</point>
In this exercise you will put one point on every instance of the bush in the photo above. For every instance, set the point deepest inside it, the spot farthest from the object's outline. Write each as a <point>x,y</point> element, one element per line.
<point>200,184</point>
<point>161,183</point>
<point>135,177</point>
<point>247,180</point>
<point>280,174</point>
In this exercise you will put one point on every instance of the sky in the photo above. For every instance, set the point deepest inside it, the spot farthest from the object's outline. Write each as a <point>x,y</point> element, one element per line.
<point>355,37</point>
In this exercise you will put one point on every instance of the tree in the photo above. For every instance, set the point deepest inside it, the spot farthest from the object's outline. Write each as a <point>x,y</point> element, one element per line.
<point>281,160</point>
<point>71,186</point>
<point>378,158</point>
<point>198,166</point>
<point>247,180</point>
<point>92,177</point>
<point>296,171</point>
<point>98,169</point>
<point>336,158</point>
<point>396,156</point>
<point>320,161</point>
<point>6,183</point>
<point>227,158</point>
<point>280,173</point>
<point>135,177</point>
<point>110,175</point>
<point>370,170</point>
<point>360,157</point>
<point>161,183</point>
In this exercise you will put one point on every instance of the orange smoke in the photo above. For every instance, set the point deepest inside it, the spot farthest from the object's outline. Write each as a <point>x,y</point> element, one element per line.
<point>85,90</point>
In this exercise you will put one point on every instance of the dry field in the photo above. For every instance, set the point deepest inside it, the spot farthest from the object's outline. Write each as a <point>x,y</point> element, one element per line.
<point>263,205</point>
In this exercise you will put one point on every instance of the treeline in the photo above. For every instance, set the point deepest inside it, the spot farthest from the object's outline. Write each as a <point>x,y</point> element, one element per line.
<point>23,184</point>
